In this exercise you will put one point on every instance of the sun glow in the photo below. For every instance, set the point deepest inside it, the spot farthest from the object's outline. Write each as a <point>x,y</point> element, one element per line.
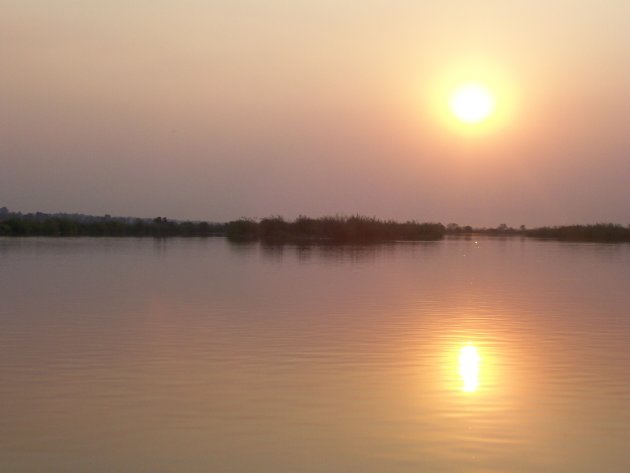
<point>472,103</point>
<point>469,368</point>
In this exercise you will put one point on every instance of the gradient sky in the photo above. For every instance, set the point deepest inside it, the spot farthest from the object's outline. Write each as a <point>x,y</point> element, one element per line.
<point>216,110</point>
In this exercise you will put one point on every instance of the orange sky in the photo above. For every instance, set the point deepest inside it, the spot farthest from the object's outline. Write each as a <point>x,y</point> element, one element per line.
<point>217,110</point>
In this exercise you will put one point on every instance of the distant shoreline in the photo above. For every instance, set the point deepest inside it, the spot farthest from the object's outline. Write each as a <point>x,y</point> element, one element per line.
<point>337,230</point>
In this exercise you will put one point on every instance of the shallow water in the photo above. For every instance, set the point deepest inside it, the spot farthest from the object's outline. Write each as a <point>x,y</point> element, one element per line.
<point>199,355</point>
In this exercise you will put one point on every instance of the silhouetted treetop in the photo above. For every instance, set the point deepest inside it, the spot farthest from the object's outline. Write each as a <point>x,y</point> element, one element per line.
<point>354,229</point>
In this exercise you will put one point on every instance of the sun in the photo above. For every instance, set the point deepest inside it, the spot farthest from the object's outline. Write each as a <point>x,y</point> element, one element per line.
<point>472,103</point>
<point>469,368</point>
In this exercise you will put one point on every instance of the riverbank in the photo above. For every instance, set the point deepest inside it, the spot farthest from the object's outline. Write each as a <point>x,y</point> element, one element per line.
<point>338,229</point>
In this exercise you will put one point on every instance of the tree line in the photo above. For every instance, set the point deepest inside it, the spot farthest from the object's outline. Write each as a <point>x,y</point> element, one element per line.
<point>604,232</point>
<point>65,227</point>
<point>354,229</point>
<point>337,229</point>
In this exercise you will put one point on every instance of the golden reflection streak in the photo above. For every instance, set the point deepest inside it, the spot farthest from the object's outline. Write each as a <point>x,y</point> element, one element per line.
<point>469,368</point>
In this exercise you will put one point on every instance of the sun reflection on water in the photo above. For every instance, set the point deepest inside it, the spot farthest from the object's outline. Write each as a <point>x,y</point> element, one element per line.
<point>469,368</point>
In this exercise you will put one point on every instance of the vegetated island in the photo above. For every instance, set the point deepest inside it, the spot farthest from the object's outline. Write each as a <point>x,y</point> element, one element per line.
<point>275,230</point>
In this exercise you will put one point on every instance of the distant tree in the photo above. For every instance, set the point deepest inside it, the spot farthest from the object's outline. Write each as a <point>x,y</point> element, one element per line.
<point>243,229</point>
<point>51,228</point>
<point>274,229</point>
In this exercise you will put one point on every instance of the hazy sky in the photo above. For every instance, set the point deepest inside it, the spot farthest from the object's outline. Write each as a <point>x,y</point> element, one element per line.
<point>221,109</point>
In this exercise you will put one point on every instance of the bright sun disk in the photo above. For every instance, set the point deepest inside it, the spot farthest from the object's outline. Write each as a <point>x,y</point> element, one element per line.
<point>472,103</point>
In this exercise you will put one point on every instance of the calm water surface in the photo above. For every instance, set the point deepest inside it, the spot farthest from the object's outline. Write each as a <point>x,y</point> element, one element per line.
<point>487,355</point>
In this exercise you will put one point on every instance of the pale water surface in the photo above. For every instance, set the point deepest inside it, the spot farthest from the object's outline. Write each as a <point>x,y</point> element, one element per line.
<point>125,355</point>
